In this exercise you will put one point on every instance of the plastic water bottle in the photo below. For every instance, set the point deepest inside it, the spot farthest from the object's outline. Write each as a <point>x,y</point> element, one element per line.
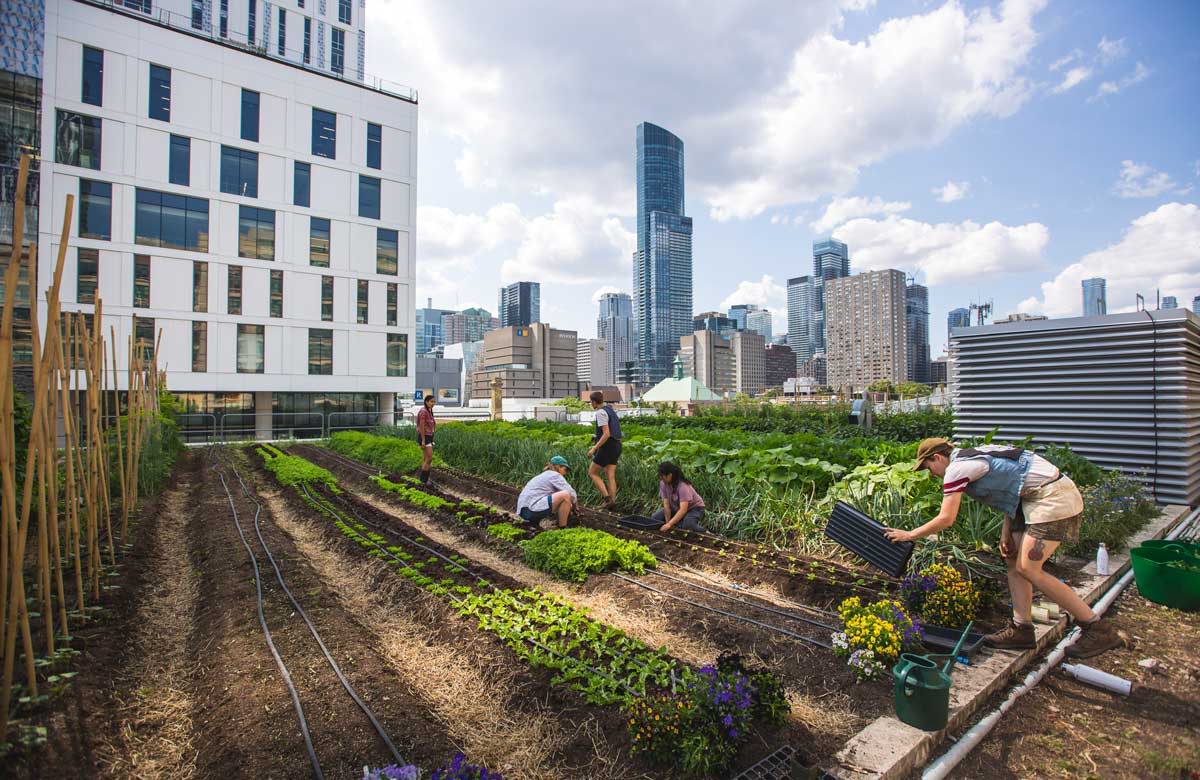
<point>1102,560</point>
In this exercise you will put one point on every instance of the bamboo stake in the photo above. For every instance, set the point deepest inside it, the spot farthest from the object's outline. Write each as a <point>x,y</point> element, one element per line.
<point>70,494</point>
<point>122,452</point>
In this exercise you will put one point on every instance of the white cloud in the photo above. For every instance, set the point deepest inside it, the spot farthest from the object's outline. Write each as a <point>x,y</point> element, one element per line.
<point>1065,60</point>
<point>605,289</point>
<point>944,252</point>
<point>846,105</point>
<point>1110,51</point>
<point>765,293</point>
<point>952,191</point>
<point>841,210</point>
<point>576,243</point>
<point>1072,78</point>
<point>1160,250</point>
<point>1140,73</point>
<point>1142,181</point>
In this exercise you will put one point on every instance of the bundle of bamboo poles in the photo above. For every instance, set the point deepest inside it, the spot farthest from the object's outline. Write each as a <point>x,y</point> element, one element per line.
<point>65,495</point>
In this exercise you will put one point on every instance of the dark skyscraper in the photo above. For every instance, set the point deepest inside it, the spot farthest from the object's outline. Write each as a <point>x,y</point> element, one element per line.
<point>662,263</point>
<point>916,315</point>
<point>520,304</point>
<point>831,260</point>
<point>957,318</point>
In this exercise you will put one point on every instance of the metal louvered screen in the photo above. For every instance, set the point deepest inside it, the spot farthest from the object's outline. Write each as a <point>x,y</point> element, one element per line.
<point>1122,390</point>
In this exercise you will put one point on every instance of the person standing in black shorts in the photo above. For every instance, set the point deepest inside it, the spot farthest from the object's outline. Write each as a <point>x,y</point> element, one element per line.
<point>605,450</point>
<point>425,427</point>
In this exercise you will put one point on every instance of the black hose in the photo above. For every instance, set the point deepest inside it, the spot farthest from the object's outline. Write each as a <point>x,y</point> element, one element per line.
<point>262,621</point>
<point>313,629</point>
<point>752,621</point>
<point>752,605</point>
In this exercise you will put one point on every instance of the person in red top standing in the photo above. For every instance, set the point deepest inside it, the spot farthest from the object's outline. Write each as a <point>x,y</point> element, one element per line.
<point>425,426</point>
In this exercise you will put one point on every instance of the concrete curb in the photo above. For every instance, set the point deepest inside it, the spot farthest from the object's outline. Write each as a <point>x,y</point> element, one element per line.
<point>888,749</point>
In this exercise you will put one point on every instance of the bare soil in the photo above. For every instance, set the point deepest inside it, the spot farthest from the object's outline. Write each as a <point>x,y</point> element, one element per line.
<point>1066,729</point>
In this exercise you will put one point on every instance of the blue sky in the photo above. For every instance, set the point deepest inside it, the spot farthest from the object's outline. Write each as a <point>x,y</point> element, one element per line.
<point>997,150</point>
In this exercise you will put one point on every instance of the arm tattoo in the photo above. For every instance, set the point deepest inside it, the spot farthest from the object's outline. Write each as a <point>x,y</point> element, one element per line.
<point>1038,550</point>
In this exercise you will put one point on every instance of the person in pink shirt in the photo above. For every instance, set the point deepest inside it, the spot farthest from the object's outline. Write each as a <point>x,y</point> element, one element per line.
<point>681,505</point>
<point>425,427</point>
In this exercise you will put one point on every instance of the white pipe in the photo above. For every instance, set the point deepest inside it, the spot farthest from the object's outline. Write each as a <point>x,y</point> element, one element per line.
<point>944,765</point>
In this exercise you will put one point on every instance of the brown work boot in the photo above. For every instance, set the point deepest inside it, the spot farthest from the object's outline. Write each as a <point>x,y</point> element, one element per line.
<point>1014,636</point>
<point>1098,637</point>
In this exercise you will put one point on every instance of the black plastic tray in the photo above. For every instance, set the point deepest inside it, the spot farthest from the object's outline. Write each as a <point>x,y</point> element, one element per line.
<point>864,537</point>
<point>943,640</point>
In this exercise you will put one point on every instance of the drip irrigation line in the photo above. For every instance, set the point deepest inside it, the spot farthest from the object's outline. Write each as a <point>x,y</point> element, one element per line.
<point>750,591</point>
<point>752,621</point>
<point>262,622</point>
<point>763,607</point>
<point>337,670</point>
<point>456,601</point>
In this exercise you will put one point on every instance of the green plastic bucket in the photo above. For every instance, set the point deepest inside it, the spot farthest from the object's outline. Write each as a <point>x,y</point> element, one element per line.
<point>1168,575</point>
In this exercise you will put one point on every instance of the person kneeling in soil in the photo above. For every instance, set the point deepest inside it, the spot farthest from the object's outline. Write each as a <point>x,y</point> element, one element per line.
<point>548,494</point>
<point>1042,508</point>
<point>681,505</point>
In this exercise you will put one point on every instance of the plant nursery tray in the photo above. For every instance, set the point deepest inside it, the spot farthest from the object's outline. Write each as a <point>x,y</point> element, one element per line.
<point>944,639</point>
<point>864,537</point>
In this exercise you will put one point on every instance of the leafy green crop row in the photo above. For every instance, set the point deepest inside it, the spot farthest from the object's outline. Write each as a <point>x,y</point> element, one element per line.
<point>291,470</point>
<point>574,553</point>
<point>395,456</point>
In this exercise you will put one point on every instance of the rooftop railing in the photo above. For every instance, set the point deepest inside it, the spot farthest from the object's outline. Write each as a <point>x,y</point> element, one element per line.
<point>137,9</point>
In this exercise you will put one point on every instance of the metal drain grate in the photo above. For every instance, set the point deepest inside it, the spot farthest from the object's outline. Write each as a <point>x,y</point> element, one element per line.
<point>775,766</point>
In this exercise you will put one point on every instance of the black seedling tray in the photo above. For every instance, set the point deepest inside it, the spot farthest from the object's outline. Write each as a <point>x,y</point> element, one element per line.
<point>943,640</point>
<point>639,522</point>
<point>864,537</point>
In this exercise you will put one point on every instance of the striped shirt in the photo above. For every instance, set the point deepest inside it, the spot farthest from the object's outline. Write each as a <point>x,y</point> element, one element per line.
<point>961,473</point>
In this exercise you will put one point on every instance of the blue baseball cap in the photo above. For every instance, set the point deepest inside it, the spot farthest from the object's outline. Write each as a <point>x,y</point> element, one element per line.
<point>559,460</point>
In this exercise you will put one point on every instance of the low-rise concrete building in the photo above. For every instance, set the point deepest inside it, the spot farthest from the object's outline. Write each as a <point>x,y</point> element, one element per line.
<point>534,361</point>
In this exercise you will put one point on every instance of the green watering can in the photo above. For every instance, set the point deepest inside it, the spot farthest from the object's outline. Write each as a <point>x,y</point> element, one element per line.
<point>922,690</point>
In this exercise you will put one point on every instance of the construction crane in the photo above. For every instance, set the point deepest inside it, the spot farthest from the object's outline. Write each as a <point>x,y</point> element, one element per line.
<point>981,311</point>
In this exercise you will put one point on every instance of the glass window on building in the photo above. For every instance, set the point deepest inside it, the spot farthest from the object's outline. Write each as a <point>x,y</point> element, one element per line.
<point>168,220</point>
<point>327,298</point>
<point>143,336</point>
<point>180,162</point>
<point>251,349</point>
<point>368,197</point>
<point>281,47</point>
<point>364,291</point>
<point>87,271</point>
<point>392,301</point>
<point>239,172</point>
<point>141,281</point>
<point>77,140</point>
<point>300,187</point>
<point>251,19</point>
<point>250,114</point>
<point>93,76</point>
<point>324,133</point>
<point>337,51</point>
<point>160,93</point>
<point>199,347</point>
<point>386,251</point>
<point>200,286</point>
<point>374,146</point>
<point>197,14</point>
<point>320,351</point>
<point>318,242</point>
<point>95,209</point>
<point>277,293</point>
<point>256,233</point>
<point>306,54</point>
<point>73,326</point>
<point>397,354</point>
<point>234,290</point>
<point>223,22</point>
<point>344,11</point>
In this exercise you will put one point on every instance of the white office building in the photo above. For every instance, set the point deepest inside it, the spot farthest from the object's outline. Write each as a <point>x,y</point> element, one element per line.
<point>593,363</point>
<point>243,188</point>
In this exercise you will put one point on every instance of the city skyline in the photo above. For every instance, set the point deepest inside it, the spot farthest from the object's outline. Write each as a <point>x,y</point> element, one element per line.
<point>926,182</point>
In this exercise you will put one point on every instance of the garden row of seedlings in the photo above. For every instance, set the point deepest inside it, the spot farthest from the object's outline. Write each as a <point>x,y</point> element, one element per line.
<point>57,540</point>
<point>666,701</point>
<point>706,597</point>
<point>226,471</point>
